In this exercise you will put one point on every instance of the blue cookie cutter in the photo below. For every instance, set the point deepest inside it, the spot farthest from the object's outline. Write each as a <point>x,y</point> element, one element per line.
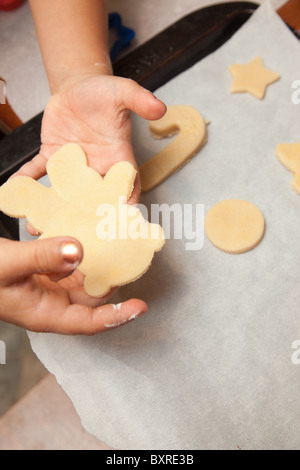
<point>126,35</point>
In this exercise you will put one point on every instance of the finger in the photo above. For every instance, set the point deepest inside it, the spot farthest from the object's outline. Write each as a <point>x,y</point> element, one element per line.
<point>36,168</point>
<point>31,230</point>
<point>141,101</point>
<point>53,255</point>
<point>55,277</point>
<point>81,320</point>
<point>136,192</point>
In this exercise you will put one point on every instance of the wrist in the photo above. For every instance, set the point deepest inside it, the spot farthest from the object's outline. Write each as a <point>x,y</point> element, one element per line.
<point>67,77</point>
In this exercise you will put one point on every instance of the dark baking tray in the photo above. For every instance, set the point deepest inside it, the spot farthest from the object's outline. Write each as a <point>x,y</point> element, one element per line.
<point>151,65</point>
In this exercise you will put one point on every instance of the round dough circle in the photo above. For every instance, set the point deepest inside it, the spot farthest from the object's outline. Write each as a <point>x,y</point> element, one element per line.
<point>234,226</point>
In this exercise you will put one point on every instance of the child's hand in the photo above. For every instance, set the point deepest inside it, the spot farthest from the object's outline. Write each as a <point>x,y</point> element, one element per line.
<point>94,111</point>
<point>40,290</point>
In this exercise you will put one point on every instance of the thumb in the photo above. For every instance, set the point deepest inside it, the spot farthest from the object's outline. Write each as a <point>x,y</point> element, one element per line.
<point>52,255</point>
<point>141,101</point>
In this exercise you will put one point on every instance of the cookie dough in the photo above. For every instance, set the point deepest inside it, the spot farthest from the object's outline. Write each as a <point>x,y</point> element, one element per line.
<point>118,243</point>
<point>190,126</point>
<point>252,78</point>
<point>289,156</point>
<point>234,226</point>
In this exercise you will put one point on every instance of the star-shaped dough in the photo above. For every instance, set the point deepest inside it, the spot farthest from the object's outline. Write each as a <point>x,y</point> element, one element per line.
<point>252,78</point>
<point>289,155</point>
<point>118,243</point>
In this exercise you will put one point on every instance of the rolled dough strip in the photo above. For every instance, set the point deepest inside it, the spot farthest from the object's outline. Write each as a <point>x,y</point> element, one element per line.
<point>234,226</point>
<point>192,135</point>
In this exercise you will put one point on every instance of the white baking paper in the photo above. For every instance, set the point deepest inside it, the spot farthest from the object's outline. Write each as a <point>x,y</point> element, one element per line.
<point>211,365</point>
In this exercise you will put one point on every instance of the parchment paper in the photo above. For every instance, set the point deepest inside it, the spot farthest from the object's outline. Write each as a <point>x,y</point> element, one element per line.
<point>209,366</point>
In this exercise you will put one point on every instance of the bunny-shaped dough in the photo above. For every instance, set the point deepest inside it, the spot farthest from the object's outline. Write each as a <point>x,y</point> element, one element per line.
<point>118,243</point>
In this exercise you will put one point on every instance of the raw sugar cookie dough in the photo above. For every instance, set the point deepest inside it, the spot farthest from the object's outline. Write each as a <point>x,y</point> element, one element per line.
<point>118,243</point>
<point>252,78</point>
<point>190,126</point>
<point>234,226</point>
<point>289,156</point>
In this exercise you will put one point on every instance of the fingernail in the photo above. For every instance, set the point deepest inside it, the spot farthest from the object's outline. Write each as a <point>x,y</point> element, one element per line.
<point>70,253</point>
<point>155,97</point>
<point>135,315</point>
<point>125,320</point>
